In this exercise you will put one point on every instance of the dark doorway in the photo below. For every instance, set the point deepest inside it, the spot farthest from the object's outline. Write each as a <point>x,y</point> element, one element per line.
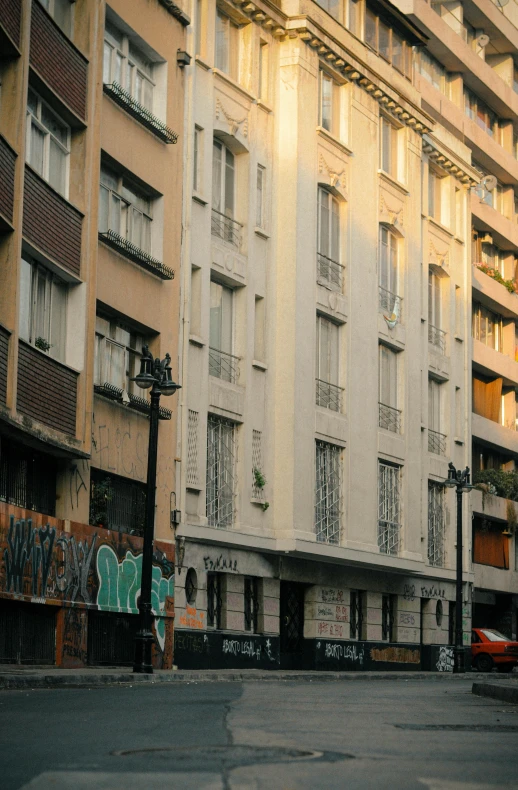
<point>111,638</point>
<point>292,625</point>
<point>27,633</point>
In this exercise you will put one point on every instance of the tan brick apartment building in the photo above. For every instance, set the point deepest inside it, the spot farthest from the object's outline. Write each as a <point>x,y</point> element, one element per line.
<point>90,224</point>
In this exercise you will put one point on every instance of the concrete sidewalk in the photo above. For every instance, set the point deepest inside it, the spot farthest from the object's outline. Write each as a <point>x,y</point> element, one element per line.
<point>17,677</point>
<point>506,692</point>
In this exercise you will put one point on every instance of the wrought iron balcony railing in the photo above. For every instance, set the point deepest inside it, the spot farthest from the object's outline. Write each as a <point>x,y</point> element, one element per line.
<point>437,338</point>
<point>328,395</point>
<point>125,100</point>
<point>223,366</point>
<point>225,228</point>
<point>331,272</point>
<point>390,303</point>
<point>136,255</point>
<point>389,418</point>
<point>135,402</point>
<point>436,442</point>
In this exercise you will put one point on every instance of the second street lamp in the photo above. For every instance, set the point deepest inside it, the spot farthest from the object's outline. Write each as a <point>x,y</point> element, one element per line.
<point>155,374</point>
<point>460,481</point>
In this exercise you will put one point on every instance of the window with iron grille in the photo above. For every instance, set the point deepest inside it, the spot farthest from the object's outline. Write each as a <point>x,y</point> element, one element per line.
<point>220,471</point>
<point>328,487</point>
<point>117,503</point>
<point>389,507</point>
<point>257,465</point>
<point>328,393</point>
<point>356,614</point>
<point>251,603</point>
<point>192,448</point>
<point>27,478</point>
<point>436,524</point>
<point>214,600</point>
<point>388,608</point>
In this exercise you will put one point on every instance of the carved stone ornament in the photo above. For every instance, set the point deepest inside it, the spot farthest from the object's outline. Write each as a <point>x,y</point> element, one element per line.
<point>440,258</point>
<point>233,123</point>
<point>396,216</point>
<point>336,179</point>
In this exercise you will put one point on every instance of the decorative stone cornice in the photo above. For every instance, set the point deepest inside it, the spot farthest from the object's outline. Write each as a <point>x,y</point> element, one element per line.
<point>260,17</point>
<point>463,172</point>
<point>233,123</point>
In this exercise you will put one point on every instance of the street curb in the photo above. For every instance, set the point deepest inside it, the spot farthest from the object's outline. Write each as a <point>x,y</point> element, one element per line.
<point>23,679</point>
<point>501,692</point>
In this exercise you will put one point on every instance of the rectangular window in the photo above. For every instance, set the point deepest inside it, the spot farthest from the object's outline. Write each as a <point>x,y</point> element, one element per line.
<point>328,486</point>
<point>381,36</point>
<point>214,600</point>
<point>220,471</point>
<point>259,340</point>
<point>222,364</point>
<point>389,508</point>
<point>436,524</point>
<point>433,71</point>
<point>329,104</point>
<point>127,66</point>
<point>493,257</point>
<point>388,147</point>
<point>436,335</point>
<point>264,67</point>
<point>117,355</point>
<point>27,478</point>
<point>328,240</point>
<point>333,8</point>
<point>227,45</point>
<point>199,27</point>
<point>251,604</point>
<point>260,195</point>
<point>328,393</point>
<point>436,438</point>
<point>487,327</point>
<point>478,111</point>
<point>117,503</point>
<point>124,209</point>
<point>353,8</point>
<point>61,12</point>
<point>435,184</point>
<point>258,481</point>
<point>459,213</point>
<point>356,614</point>
<point>388,619</point>
<point>224,195</point>
<point>388,270</point>
<point>192,448</point>
<point>197,150</point>
<point>48,143</point>
<point>371,28</point>
<point>389,414</point>
<point>43,315</point>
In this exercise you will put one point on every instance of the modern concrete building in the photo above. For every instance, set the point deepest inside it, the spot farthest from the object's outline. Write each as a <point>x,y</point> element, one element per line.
<point>90,215</point>
<point>468,83</point>
<point>326,341</point>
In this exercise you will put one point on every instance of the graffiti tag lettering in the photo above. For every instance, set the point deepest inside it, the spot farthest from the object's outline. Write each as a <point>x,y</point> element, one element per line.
<point>221,563</point>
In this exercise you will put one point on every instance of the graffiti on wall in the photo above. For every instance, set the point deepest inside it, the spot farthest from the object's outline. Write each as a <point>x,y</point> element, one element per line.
<point>445,661</point>
<point>396,655</point>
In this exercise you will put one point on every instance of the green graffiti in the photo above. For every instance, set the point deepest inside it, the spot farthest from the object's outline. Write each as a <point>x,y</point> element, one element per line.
<point>119,586</point>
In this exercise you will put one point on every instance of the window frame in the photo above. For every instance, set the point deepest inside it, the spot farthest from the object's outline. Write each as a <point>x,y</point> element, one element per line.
<point>39,276</point>
<point>328,357</point>
<point>36,121</point>
<point>229,61</point>
<point>132,354</point>
<point>389,155</point>
<point>226,155</point>
<point>260,206</point>
<point>122,48</point>
<point>328,492</point>
<point>373,41</point>
<point>389,530</point>
<point>334,124</point>
<point>126,220</point>
<point>481,313</point>
<point>389,264</point>
<point>393,384</point>
<point>65,25</point>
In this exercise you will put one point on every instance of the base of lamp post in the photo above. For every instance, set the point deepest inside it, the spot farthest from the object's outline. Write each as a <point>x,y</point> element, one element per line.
<point>143,652</point>
<point>458,660</point>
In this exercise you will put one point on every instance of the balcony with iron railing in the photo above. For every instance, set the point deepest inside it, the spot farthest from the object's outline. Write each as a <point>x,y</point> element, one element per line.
<point>329,396</point>
<point>223,366</point>
<point>436,442</point>
<point>437,338</point>
<point>330,272</point>
<point>141,114</point>
<point>135,254</point>
<point>389,418</point>
<point>226,228</point>
<point>390,303</point>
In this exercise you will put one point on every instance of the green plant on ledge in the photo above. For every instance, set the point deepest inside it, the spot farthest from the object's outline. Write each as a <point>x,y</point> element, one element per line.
<point>495,274</point>
<point>42,344</point>
<point>498,482</point>
<point>100,496</point>
<point>260,480</point>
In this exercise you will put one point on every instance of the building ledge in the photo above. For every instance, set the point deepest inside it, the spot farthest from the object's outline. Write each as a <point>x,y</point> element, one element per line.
<point>113,393</point>
<point>135,254</point>
<point>125,100</point>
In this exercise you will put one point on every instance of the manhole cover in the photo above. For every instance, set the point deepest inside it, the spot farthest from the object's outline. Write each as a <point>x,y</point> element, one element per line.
<point>461,727</point>
<point>232,755</point>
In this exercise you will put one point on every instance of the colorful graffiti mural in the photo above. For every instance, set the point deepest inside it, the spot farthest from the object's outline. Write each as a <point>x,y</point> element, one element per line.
<point>81,568</point>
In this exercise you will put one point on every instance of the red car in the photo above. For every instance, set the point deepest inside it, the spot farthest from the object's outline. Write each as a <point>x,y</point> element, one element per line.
<point>490,648</point>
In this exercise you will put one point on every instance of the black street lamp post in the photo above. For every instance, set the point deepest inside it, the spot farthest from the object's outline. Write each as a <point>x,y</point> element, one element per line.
<point>460,480</point>
<point>154,374</point>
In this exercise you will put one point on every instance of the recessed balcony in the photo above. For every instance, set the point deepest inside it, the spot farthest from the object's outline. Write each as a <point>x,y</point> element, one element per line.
<point>226,228</point>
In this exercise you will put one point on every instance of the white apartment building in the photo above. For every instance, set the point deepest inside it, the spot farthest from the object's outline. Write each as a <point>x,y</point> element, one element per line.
<point>326,343</point>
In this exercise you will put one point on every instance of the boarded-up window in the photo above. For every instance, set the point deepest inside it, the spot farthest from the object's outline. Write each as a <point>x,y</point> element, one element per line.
<point>490,546</point>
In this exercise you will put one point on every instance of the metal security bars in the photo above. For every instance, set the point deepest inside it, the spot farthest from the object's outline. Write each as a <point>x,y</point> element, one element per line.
<point>251,604</point>
<point>330,272</point>
<point>192,448</point>
<point>437,338</point>
<point>125,100</point>
<point>223,366</point>
<point>220,471</point>
<point>214,600</point>
<point>356,615</point>
<point>436,524</point>
<point>226,228</point>
<point>257,464</point>
<point>328,395</point>
<point>389,508</point>
<point>436,442</point>
<point>389,418</point>
<point>27,478</point>
<point>117,503</point>
<point>328,487</point>
<point>387,618</point>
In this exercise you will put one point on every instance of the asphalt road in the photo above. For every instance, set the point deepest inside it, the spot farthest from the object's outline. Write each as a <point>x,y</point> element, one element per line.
<point>397,734</point>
